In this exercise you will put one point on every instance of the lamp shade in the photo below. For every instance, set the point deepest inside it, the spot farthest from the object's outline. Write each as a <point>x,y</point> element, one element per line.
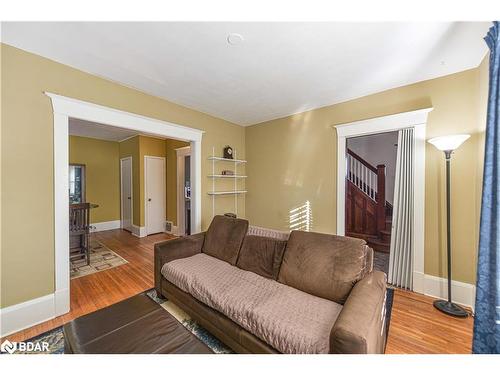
<point>449,142</point>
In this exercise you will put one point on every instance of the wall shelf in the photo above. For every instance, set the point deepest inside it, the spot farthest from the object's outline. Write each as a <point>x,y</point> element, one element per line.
<point>216,158</point>
<point>225,176</point>
<point>229,192</point>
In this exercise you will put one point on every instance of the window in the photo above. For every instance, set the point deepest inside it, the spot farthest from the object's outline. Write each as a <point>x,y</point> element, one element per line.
<point>76,183</point>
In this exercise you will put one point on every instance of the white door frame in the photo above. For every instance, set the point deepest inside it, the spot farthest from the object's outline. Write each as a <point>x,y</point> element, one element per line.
<point>181,153</point>
<point>413,119</point>
<point>146,157</point>
<point>64,108</point>
<point>131,192</point>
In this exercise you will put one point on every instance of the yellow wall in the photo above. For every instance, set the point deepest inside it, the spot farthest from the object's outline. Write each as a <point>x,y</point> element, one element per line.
<point>27,201</point>
<point>1,180</point>
<point>293,159</point>
<point>102,179</point>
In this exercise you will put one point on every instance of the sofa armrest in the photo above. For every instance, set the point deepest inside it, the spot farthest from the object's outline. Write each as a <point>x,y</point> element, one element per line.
<point>175,249</point>
<point>360,327</point>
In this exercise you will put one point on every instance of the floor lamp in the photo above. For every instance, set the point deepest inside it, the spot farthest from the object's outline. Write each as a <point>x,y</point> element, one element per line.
<point>448,144</point>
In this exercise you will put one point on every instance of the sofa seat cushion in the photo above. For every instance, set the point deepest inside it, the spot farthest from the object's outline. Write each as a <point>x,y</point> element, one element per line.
<point>286,318</point>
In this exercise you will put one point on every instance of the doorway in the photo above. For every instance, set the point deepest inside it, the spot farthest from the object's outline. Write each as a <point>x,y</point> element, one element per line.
<point>369,192</point>
<point>65,108</point>
<point>155,194</point>
<point>415,120</point>
<point>113,241</point>
<point>183,191</point>
<point>126,193</point>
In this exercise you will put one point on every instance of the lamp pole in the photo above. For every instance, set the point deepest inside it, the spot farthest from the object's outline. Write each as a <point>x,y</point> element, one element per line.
<point>448,220</point>
<point>448,307</point>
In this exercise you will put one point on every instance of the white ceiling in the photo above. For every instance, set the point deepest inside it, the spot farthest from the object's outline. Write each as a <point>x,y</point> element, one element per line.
<point>88,129</point>
<point>278,70</point>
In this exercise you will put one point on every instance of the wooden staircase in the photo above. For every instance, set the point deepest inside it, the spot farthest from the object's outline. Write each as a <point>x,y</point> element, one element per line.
<point>368,214</point>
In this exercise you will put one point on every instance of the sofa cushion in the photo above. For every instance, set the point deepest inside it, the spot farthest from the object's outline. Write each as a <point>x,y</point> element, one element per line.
<point>224,238</point>
<point>286,318</point>
<point>325,265</point>
<point>261,255</point>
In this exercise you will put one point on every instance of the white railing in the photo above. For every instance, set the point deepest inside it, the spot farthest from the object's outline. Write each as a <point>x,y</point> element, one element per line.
<point>361,176</point>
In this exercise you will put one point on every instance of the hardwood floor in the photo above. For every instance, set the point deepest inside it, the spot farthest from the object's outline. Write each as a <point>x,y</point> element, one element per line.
<point>416,326</point>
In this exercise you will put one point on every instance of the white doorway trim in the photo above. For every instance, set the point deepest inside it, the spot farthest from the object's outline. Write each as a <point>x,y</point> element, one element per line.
<point>164,181</point>
<point>413,119</point>
<point>181,153</point>
<point>131,192</point>
<point>64,108</point>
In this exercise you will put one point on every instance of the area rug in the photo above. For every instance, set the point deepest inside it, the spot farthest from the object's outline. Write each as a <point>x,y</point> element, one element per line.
<point>101,259</point>
<point>55,337</point>
<point>203,335</point>
<point>381,261</point>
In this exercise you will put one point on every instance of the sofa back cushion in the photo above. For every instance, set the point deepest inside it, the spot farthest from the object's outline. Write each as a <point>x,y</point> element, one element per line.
<point>224,238</point>
<point>261,255</point>
<point>324,265</point>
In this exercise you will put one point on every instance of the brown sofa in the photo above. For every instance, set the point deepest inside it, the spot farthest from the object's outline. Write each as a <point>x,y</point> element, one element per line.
<point>314,293</point>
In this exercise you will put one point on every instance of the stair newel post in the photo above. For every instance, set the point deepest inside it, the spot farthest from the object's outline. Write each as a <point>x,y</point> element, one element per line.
<point>380,197</point>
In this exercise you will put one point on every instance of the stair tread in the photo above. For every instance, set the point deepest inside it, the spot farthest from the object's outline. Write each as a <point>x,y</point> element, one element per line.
<point>356,234</point>
<point>379,245</point>
<point>377,241</point>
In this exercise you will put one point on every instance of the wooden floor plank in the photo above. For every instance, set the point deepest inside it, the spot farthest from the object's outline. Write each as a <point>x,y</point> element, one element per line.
<point>416,326</point>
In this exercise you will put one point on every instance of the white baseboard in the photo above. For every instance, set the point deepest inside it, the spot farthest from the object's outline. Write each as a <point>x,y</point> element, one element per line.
<point>27,314</point>
<point>462,293</point>
<point>138,231</point>
<point>61,302</point>
<point>105,225</point>
<point>418,282</point>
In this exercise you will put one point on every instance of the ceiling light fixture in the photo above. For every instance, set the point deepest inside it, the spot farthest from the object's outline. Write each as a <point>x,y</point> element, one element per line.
<point>235,39</point>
